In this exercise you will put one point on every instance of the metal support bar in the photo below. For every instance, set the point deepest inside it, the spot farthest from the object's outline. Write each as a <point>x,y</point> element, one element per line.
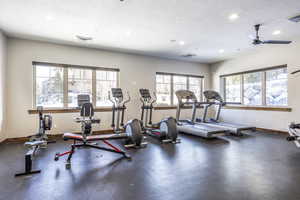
<point>28,163</point>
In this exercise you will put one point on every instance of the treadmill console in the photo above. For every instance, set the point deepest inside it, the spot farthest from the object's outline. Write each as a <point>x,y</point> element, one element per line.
<point>145,93</point>
<point>212,95</point>
<point>185,96</point>
<point>117,93</point>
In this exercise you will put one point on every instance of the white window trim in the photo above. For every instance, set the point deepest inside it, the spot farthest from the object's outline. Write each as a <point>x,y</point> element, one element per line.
<point>172,85</point>
<point>264,86</point>
<point>65,82</point>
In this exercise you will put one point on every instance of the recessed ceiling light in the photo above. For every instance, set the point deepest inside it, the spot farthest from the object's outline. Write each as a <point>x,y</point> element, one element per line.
<point>276,32</point>
<point>128,33</point>
<point>233,16</point>
<point>49,17</point>
<point>181,43</point>
<point>84,38</point>
<point>221,51</point>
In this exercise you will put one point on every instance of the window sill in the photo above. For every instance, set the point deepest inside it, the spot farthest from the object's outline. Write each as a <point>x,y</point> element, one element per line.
<point>172,107</point>
<point>165,107</point>
<point>68,110</point>
<point>259,108</point>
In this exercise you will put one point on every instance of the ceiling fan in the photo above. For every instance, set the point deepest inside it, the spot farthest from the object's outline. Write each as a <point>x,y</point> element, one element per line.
<point>257,41</point>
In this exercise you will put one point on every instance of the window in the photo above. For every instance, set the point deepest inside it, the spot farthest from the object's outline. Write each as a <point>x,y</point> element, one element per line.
<point>49,86</point>
<point>179,83</point>
<point>163,89</point>
<point>266,87</point>
<point>58,85</point>
<point>252,88</point>
<point>276,87</point>
<point>196,86</point>
<point>105,81</point>
<point>79,82</point>
<point>233,89</point>
<point>167,84</point>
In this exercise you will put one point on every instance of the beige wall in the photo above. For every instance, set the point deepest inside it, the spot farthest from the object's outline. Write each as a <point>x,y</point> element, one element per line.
<point>135,72</point>
<point>3,53</point>
<point>261,57</point>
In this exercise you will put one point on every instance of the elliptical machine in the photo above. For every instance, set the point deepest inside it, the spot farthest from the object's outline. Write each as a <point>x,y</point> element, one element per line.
<point>37,141</point>
<point>86,136</point>
<point>132,129</point>
<point>166,130</point>
<point>294,134</point>
<point>294,129</point>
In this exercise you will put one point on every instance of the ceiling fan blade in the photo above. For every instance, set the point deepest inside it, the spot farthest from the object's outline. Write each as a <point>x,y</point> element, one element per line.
<point>276,42</point>
<point>295,72</point>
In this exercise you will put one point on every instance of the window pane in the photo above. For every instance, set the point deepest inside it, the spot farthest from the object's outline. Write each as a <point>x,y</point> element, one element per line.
<point>79,82</point>
<point>253,88</point>
<point>49,86</point>
<point>195,85</point>
<point>163,89</point>
<point>276,87</point>
<point>179,83</point>
<point>105,81</point>
<point>233,89</point>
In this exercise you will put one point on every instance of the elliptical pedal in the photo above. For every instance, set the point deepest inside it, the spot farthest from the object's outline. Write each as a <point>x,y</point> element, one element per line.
<point>166,130</point>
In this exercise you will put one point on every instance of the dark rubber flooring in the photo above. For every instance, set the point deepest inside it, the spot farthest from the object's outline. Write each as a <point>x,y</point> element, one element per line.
<point>257,166</point>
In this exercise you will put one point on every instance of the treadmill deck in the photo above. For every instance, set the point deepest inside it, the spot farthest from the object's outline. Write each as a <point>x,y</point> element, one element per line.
<point>201,129</point>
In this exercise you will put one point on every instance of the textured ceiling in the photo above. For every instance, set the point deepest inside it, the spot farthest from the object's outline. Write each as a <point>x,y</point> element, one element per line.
<point>147,26</point>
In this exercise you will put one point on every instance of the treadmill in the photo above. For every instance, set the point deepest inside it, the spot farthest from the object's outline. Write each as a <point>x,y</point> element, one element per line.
<point>188,98</point>
<point>214,98</point>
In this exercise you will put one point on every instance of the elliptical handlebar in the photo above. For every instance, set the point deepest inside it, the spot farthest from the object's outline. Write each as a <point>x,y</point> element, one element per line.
<point>154,99</point>
<point>116,101</point>
<point>110,99</point>
<point>127,100</point>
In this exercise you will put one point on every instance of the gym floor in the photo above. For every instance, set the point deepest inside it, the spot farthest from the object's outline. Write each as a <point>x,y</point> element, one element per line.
<point>256,166</point>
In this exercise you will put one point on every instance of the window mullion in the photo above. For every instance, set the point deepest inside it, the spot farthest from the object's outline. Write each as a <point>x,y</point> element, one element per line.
<point>242,88</point>
<point>264,86</point>
<point>188,83</point>
<point>94,87</point>
<point>223,88</point>
<point>201,89</point>
<point>65,87</point>
<point>34,86</point>
<point>172,90</point>
<point>118,80</point>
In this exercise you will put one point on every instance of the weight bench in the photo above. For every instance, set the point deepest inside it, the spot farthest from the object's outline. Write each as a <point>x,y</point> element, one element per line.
<point>86,139</point>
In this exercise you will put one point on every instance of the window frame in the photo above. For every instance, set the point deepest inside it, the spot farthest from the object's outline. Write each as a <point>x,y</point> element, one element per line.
<point>65,68</point>
<point>263,72</point>
<point>188,76</point>
<point>94,87</point>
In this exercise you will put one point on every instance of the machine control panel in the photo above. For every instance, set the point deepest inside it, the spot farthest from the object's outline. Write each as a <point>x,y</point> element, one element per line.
<point>145,93</point>
<point>117,93</point>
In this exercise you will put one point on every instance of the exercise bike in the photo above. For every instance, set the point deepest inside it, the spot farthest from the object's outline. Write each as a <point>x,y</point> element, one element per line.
<point>132,129</point>
<point>166,130</point>
<point>37,141</point>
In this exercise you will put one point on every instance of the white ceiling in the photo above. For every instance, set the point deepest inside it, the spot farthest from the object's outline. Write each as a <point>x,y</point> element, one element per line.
<point>147,26</point>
